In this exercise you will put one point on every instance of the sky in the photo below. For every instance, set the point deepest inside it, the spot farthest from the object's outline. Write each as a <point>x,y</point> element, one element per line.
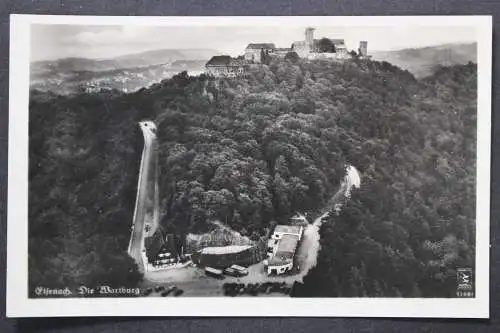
<point>49,42</point>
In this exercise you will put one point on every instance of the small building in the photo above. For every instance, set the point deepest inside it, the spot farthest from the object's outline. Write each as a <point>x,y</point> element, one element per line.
<point>281,248</point>
<point>253,51</point>
<point>282,260</point>
<point>226,66</point>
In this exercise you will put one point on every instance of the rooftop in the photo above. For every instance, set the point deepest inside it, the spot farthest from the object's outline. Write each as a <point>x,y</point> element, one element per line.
<point>258,46</point>
<point>225,60</point>
<point>222,60</point>
<point>286,250</point>
<point>288,229</point>
<point>287,245</point>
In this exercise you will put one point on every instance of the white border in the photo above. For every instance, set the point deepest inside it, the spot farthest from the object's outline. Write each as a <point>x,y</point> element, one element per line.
<point>18,303</point>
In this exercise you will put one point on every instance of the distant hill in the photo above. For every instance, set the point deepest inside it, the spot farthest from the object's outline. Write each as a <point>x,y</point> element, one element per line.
<point>422,62</point>
<point>126,73</point>
<point>143,59</point>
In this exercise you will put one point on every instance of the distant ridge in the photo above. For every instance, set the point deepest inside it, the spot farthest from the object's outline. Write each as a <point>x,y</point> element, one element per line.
<point>422,62</point>
<point>135,60</point>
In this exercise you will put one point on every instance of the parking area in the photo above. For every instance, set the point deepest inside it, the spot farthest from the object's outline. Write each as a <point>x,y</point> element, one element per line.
<point>194,282</point>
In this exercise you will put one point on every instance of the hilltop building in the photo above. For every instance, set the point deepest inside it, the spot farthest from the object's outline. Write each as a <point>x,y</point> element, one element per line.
<point>281,52</point>
<point>254,50</point>
<point>310,47</point>
<point>226,66</point>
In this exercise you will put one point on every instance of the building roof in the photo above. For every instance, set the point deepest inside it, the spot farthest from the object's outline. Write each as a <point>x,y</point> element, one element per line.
<point>278,261</point>
<point>288,229</point>
<point>285,251</point>
<point>287,244</point>
<point>225,60</point>
<point>283,49</point>
<point>222,60</point>
<point>258,46</point>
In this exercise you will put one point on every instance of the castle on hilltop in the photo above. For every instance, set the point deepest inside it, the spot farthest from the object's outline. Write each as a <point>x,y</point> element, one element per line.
<point>309,48</point>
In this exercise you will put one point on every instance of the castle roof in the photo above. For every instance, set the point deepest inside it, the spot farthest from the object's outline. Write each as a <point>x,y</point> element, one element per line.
<point>258,46</point>
<point>225,60</point>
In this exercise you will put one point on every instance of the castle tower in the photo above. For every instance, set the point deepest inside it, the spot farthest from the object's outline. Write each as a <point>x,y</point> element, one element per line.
<point>310,38</point>
<point>363,48</point>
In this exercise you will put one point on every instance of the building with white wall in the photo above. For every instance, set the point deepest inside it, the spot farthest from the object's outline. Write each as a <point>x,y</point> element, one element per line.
<point>281,248</point>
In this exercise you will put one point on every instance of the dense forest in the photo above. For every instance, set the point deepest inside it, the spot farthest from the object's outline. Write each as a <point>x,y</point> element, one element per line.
<point>249,152</point>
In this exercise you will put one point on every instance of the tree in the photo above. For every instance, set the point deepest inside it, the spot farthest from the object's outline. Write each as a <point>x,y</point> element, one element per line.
<point>292,57</point>
<point>326,45</point>
<point>273,142</point>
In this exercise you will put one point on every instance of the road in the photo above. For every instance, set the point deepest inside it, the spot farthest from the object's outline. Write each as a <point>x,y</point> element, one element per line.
<point>195,283</point>
<point>307,253</point>
<point>146,206</point>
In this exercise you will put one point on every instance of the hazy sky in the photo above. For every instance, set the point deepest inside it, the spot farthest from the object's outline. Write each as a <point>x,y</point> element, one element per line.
<point>61,41</point>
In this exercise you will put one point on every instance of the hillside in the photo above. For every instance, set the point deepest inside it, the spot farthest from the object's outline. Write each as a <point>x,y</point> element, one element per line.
<point>423,62</point>
<point>251,152</point>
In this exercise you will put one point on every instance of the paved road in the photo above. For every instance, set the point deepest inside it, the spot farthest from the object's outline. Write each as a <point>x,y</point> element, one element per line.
<point>146,207</point>
<point>307,253</point>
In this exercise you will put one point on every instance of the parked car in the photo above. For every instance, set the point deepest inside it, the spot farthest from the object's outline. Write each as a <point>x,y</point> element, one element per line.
<point>242,271</point>
<point>148,291</point>
<point>159,288</point>
<point>178,292</point>
<point>168,290</point>
<point>214,272</point>
<point>231,272</point>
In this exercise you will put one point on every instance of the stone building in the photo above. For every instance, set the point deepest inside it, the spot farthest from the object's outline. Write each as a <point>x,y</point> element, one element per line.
<point>281,52</point>
<point>310,47</point>
<point>254,50</point>
<point>226,66</point>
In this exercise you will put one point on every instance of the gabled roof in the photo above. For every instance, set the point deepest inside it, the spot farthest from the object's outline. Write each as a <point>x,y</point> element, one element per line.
<point>223,60</point>
<point>289,229</point>
<point>258,46</point>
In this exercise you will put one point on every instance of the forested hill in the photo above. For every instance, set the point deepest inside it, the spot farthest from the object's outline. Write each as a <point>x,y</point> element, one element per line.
<point>252,151</point>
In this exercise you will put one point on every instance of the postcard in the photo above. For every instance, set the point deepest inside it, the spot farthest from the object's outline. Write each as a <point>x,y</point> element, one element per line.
<point>249,166</point>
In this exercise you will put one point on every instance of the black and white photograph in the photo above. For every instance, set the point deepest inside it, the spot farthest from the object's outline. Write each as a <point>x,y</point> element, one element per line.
<point>302,166</point>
